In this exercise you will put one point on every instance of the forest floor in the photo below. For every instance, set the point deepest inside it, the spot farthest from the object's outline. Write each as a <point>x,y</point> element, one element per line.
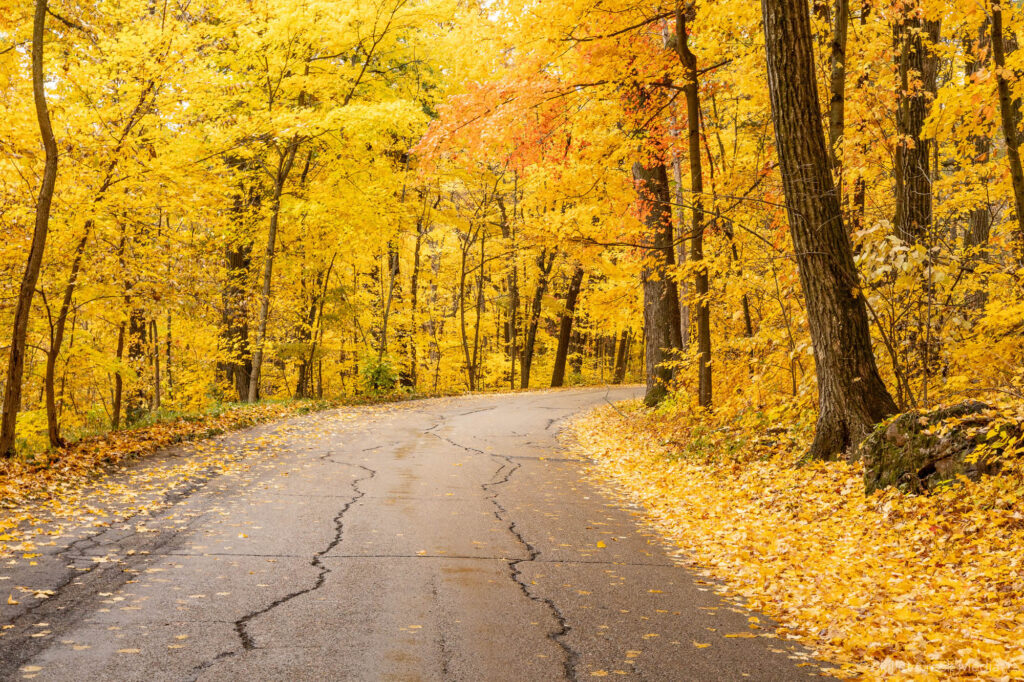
<point>439,539</point>
<point>890,586</point>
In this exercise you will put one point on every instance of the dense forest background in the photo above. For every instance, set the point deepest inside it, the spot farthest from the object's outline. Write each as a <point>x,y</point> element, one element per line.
<point>307,198</point>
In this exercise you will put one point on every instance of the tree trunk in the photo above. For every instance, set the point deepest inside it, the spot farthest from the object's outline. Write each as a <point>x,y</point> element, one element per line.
<point>283,170</point>
<point>837,95</point>
<point>154,333</point>
<point>1007,114</point>
<point>512,285</point>
<point>917,69</point>
<point>851,395</point>
<point>621,358</point>
<point>115,419</point>
<point>701,280</point>
<point>565,327</point>
<point>979,221</point>
<point>545,261</point>
<point>23,307</point>
<point>414,287</point>
<point>661,298</point>
<point>57,340</point>
<point>237,365</point>
<point>136,359</point>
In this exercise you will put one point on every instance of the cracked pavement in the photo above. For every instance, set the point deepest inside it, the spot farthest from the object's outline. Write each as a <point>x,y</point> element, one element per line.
<point>445,539</point>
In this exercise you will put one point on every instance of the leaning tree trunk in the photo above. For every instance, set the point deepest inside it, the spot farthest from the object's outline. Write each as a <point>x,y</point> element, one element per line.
<point>23,307</point>
<point>661,297</point>
<point>851,395</point>
<point>565,327</point>
<point>917,69</point>
<point>283,170</point>
<point>1007,112</point>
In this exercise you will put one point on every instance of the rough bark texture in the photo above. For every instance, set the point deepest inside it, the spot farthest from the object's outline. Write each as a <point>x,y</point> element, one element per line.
<point>565,327</point>
<point>23,307</point>
<point>1007,112</point>
<point>701,284</point>
<point>916,454</point>
<point>661,298</point>
<point>851,395</point>
<point>917,68</point>
<point>837,85</point>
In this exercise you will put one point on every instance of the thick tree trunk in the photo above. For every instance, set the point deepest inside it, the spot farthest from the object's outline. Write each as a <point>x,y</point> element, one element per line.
<point>284,168</point>
<point>701,281</point>
<point>851,395</point>
<point>565,327</point>
<point>545,261</point>
<point>917,69</point>
<point>662,331</point>
<point>23,307</point>
<point>1007,112</point>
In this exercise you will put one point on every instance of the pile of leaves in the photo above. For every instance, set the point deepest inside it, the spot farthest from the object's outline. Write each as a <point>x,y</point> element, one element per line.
<point>48,475</point>
<point>887,585</point>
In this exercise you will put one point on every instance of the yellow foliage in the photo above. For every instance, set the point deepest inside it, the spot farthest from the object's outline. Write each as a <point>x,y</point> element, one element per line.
<point>888,586</point>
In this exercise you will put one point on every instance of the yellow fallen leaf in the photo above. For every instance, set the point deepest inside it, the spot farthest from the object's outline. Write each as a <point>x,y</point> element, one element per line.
<point>702,645</point>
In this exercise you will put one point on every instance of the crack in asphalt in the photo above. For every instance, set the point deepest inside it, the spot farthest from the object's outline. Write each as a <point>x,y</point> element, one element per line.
<point>501,513</point>
<point>241,625</point>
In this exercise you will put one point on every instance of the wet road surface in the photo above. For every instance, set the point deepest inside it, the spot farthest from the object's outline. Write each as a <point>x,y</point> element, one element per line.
<point>447,539</point>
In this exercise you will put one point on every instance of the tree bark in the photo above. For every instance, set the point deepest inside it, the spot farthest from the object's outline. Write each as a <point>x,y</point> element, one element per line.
<point>837,89</point>
<point>115,419</point>
<point>851,395</point>
<point>621,358</point>
<point>691,90</point>
<point>1007,113</point>
<point>545,261</point>
<point>917,69</point>
<point>23,307</point>
<point>662,331</point>
<point>283,170</point>
<point>565,327</point>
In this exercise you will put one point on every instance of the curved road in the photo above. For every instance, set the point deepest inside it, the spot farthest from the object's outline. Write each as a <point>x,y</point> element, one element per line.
<point>438,540</point>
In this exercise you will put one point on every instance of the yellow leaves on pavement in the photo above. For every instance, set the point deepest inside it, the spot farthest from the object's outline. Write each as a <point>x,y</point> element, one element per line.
<point>919,587</point>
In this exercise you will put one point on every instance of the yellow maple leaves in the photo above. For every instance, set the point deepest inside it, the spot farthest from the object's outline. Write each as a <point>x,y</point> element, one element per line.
<point>885,586</point>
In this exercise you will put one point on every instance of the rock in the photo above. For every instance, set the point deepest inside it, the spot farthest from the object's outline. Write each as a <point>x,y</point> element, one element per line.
<point>903,454</point>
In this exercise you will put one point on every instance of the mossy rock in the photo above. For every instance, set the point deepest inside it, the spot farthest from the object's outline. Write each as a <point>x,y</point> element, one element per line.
<point>908,452</point>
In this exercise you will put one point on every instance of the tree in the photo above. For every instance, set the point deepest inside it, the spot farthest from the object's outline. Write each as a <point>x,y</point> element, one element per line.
<point>1007,114</point>
<point>23,309</point>
<point>565,326</point>
<point>661,297</point>
<point>851,394</point>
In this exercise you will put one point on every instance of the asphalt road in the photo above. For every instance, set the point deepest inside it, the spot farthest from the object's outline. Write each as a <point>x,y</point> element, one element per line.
<point>439,540</point>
